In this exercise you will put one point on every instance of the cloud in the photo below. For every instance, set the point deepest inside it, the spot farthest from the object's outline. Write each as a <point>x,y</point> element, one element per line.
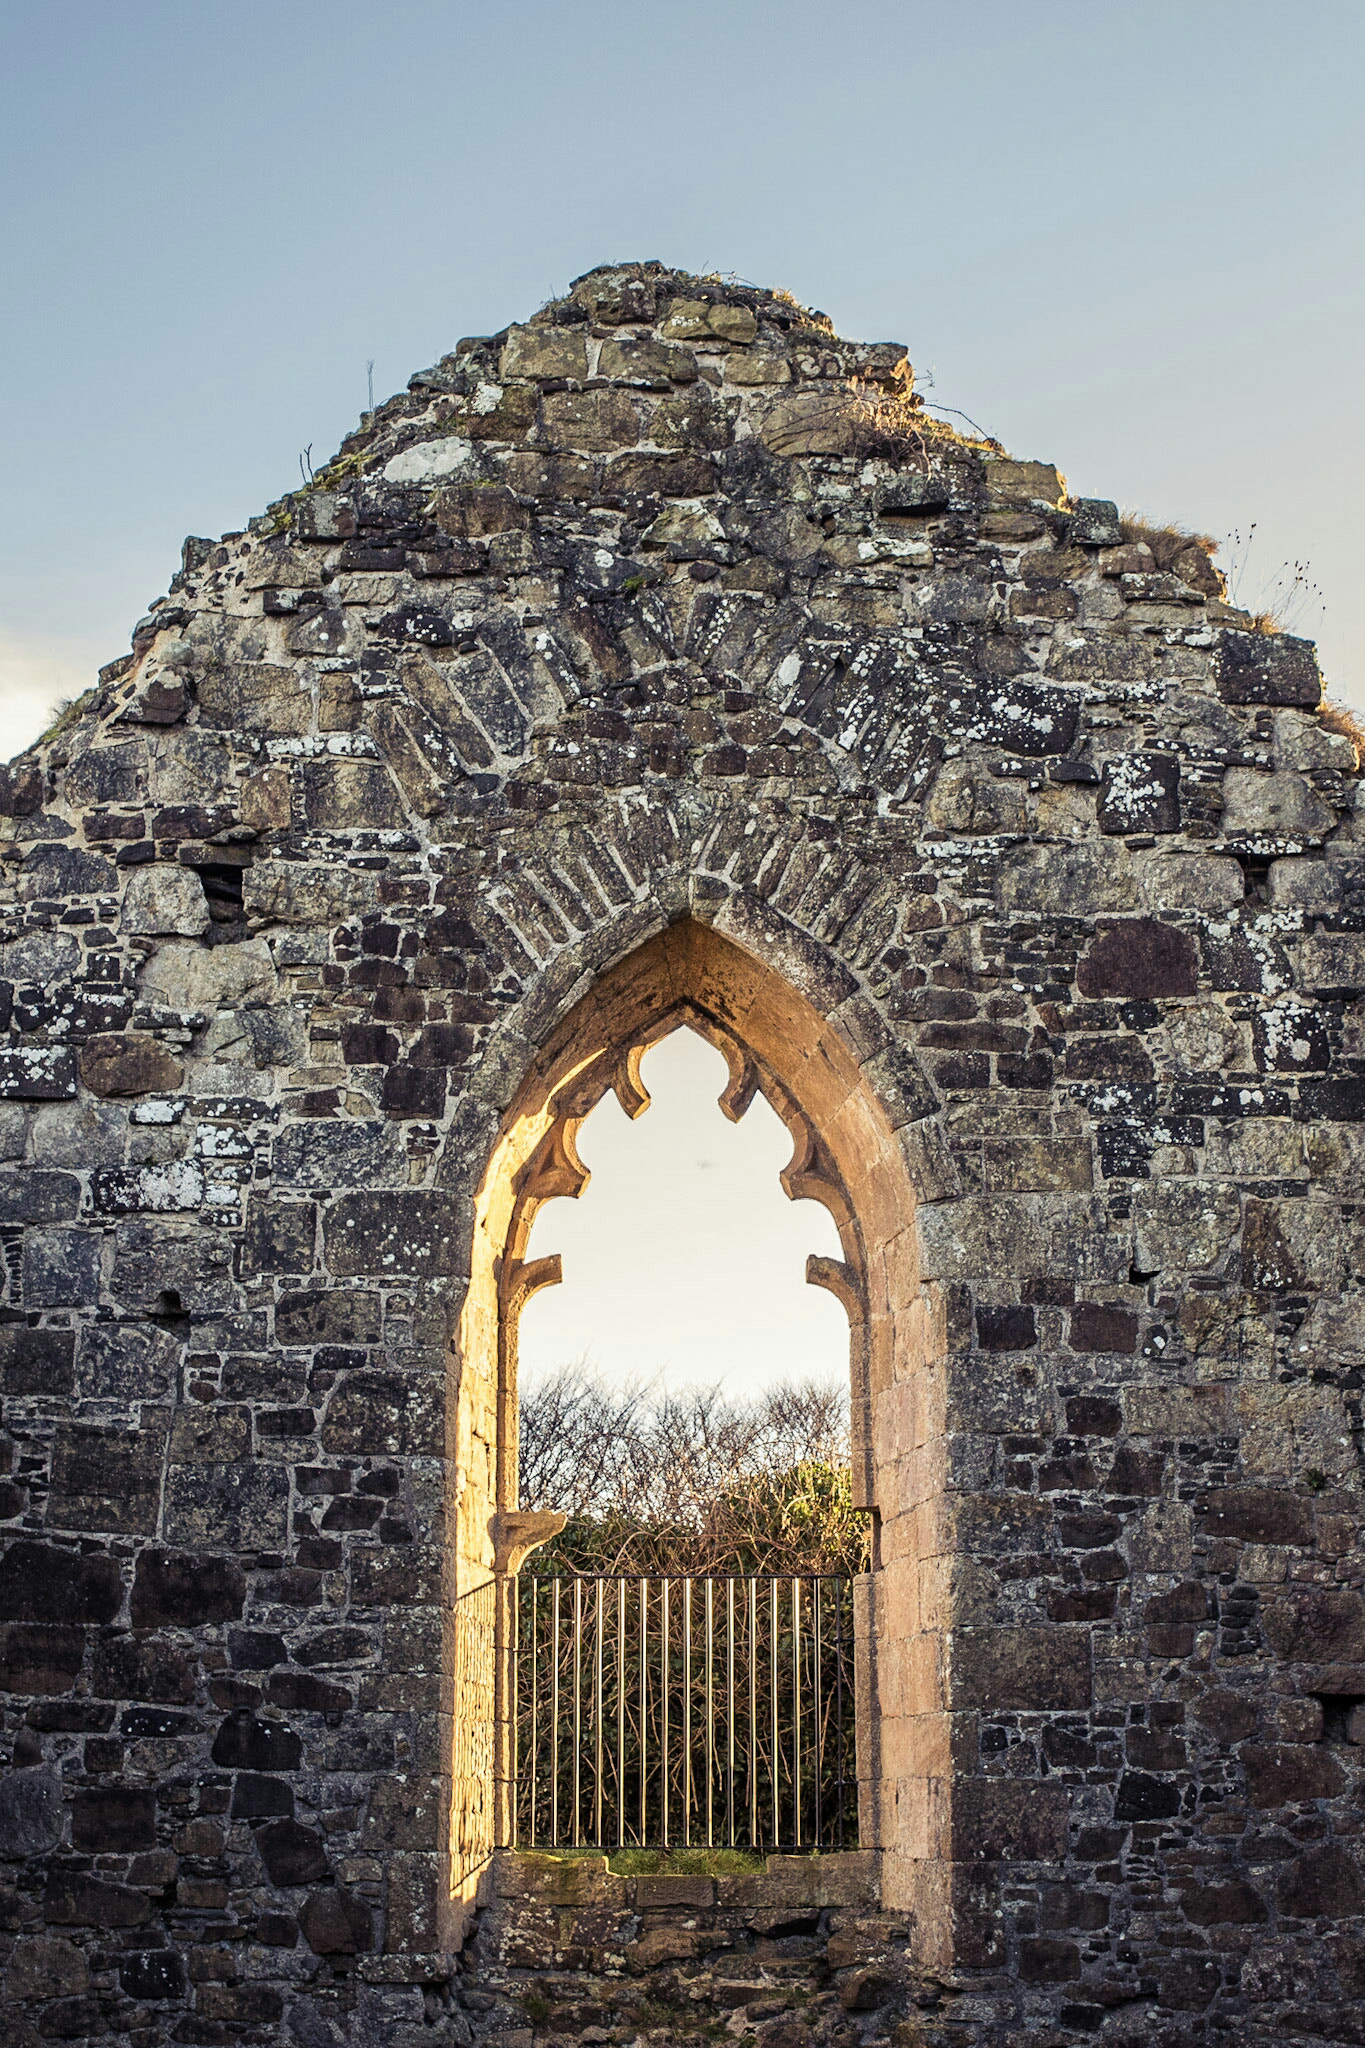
<point>36,676</point>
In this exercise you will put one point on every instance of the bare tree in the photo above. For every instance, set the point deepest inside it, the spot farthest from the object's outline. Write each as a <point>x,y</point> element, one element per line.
<point>691,1481</point>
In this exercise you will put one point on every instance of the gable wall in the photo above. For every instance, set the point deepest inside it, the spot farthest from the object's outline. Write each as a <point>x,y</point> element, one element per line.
<point>670,603</point>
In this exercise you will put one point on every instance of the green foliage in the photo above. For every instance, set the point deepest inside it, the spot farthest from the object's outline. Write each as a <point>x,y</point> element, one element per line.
<point>799,1520</point>
<point>686,1862</point>
<point>691,1483</point>
<point>68,711</point>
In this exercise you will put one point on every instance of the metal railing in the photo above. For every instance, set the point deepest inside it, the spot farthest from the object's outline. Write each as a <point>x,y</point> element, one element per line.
<point>682,1712</point>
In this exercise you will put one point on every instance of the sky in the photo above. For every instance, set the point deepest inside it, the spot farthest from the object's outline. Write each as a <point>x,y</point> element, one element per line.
<point>684,1262</point>
<point>1126,239</point>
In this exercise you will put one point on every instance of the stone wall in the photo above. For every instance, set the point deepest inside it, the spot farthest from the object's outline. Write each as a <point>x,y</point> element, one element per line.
<point>567,1952</point>
<point>672,606</point>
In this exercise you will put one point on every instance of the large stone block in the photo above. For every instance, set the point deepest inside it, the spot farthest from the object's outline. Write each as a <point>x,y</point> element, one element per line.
<point>108,1478</point>
<point>130,1361</point>
<point>39,1657</point>
<point>1000,1820</point>
<point>186,1591</point>
<point>36,1361</point>
<point>40,1580</point>
<point>1140,957</point>
<point>191,979</point>
<point>334,1153</point>
<point>1009,1669</point>
<point>385,1414</point>
<point>62,1268</point>
<point>410,1234</point>
<point>1070,881</point>
<point>30,1812</point>
<point>112,1819</point>
<point>546,353</point>
<point>166,1267</point>
<point>1317,1625</point>
<point>235,1507</point>
<point>329,1315</point>
<point>1278,804</point>
<point>163,899</point>
<point>1183,1226</point>
<point>1267,668</point>
<point>74,1899</point>
<point>127,1063</point>
<point>46,1966</point>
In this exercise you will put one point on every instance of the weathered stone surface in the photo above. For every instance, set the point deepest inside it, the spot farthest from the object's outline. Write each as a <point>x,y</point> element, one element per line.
<point>1140,957</point>
<point>40,1580</point>
<point>127,1063</point>
<point>1318,1627</point>
<point>545,352</point>
<point>30,1813</point>
<point>1183,1226</point>
<point>1140,793</point>
<point>73,1899</point>
<point>292,1854</point>
<point>126,1362</point>
<point>243,1506</point>
<point>811,424</point>
<point>152,1973</point>
<point>1005,1668</point>
<point>106,1478</point>
<point>164,899</point>
<point>46,1966</point>
<point>115,1818</point>
<point>194,978</point>
<point>36,1361</point>
<point>185,1591</point>
<point>1267,668</point>
<point>61,1268</point>
<point>1282,805</point>
<point>335,1922</point>
<point>167,1267</point>
<point>333,1154</point>
<point>40,1657</point>
<point>409,1234</point>
<point>663,651</point>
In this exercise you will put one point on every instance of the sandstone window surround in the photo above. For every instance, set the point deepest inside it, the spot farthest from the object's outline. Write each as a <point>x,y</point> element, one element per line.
<point>774,1039</point>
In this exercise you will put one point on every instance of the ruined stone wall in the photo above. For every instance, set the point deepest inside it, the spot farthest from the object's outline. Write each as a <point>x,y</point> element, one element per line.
<point>667,605</point>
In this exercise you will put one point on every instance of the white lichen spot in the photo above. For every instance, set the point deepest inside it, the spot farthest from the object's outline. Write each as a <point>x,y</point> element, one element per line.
<point>428,461</point>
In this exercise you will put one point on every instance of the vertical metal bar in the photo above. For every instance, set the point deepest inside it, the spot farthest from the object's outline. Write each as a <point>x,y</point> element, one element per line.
<point>772,1675</point>
<point>644,1700</point>
<point>839,1698</point>
<point>819,1706</point>
<point>554,1730</point>
<point>620,1713</point>
<point>597,1732</point>
<point>663,1712</point>
<point>730,1713</point>
<point>516,1706</point>
<point>577,1712</point>
<point>796,1711</point>
<point>535,1701</point>
<point>687,1713</point>
<point>753,1714</point>
<point>710,1707</point>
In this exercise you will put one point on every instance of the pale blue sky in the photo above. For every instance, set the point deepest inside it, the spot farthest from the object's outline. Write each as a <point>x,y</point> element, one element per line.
<point>1124,238</point>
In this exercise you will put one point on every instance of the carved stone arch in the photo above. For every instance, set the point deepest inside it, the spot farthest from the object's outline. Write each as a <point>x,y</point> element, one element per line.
<point>801,1047</point>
